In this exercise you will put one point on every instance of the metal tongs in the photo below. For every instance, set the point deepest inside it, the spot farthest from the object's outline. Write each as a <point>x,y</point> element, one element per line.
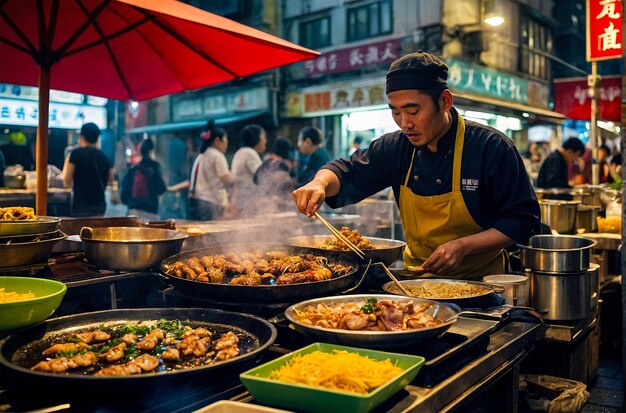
<point>358,251</point>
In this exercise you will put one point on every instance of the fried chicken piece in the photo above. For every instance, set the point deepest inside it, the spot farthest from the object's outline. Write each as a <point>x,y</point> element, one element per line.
<point>227,353</point>
<point>189,273</point>
<point>62,364</point>
<point>148,343</point>
<point>64,347</point>
<point>146,362</point>
<point>89,336</point>
<point>227,340</point>
<point>252,278</point>
<point>119,370</point>
<point>129,338</point>
<point>194,263</point>
<point>169,339</point>
<point>115,353</point>
<point>176,269</point>
<point>200,332</point>
<point>216,276</point>
<point>276,254</point>
<point>84,360</point>
<point>171,354</point>
<point>194,345</point>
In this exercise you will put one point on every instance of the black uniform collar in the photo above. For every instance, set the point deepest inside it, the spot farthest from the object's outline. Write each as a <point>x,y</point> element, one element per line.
<point>446,143</point>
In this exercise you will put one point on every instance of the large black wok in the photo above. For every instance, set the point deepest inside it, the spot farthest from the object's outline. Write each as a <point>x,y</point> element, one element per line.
<point>16,349</point>
<point>257,293</point>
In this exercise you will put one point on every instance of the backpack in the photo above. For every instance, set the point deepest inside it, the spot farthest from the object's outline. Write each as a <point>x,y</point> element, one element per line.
<point>140,185</point>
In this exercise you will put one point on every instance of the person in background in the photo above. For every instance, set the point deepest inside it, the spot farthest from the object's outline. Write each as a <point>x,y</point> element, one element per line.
<point>554,170</point>
<point>143,184</point>
<point>356,145</point>
<point>603,155</point>
<point>461,187</point>
<point>245,163</point>
<point>87,171</point>
<point>274,178</point>
<point>208,198</point>
<point>2,168</point>
<point>615,169</point>
<point>310,143</point>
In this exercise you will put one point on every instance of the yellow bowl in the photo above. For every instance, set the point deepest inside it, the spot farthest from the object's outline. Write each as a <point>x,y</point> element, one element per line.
<point>16,314</point>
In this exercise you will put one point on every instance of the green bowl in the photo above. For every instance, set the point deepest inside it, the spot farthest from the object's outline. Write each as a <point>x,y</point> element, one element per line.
<point>48,297</point>
<point>309,398</point>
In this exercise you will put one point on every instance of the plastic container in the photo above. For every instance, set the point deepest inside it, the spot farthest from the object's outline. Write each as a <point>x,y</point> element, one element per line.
<point>516,287</point>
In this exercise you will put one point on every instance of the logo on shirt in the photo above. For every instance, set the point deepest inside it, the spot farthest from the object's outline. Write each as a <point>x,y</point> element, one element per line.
<point>469,184</point>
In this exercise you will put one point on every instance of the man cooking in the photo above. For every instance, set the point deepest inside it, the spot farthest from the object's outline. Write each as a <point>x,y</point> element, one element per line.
<point>462,189</point>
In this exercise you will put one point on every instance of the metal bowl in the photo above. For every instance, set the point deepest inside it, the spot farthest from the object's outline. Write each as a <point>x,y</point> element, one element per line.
<point>373,339</point>
<point>40,225</point>
<point>17,254</point>
<point>385,250</point>
<point>130,248</point>
<point>465,301</point>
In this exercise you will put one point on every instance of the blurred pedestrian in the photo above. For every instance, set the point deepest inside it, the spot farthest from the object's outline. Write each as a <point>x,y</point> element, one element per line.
<point>208,198</point>
<point>87,171</point>
<point>554,170</point>
<point>274,178</point>
<point>245,163</point>
<point>356,145</point>
<point>143,184</point>
<point>310,143</point>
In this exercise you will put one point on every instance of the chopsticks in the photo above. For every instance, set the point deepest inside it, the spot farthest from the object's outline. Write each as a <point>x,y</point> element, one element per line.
<point>395,280</point>
<point>340,236</point>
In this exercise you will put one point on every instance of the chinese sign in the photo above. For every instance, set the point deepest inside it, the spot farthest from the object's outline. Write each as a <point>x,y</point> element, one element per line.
<point>63,116</point>
<point>32,93</point>
<point>464,77</point>
<point>604,29</point>
<point>343,60</point>
<point>571,98</point>
<point>221,103</point>
<point>336,97</point>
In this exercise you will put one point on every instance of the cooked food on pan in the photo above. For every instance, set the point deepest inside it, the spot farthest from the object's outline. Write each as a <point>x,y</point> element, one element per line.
<point>11,296</point>
<point>353,235</point>
<point>373,315</point>
<point>137,348</point>
<point>340,370</point>
<point>271,268</point>
<point>17,214</point>
<point>440,289</point>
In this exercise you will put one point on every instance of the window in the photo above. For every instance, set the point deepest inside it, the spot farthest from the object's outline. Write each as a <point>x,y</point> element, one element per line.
<point>369,20</point>
<point>536,47</point>
<point>315,33</point>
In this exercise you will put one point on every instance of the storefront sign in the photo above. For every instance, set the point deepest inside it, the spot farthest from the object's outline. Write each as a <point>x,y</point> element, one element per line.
<point>604,29</point>
<point>32,93</point>
<point>571,98</point>
<point>191,108</point>
<point>63,116</point>
<point>343,60</point>
<point>339,97</point>
<point>464,77</point>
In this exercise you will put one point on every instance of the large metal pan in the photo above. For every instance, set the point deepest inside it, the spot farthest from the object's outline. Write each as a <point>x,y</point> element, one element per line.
<point>256,293</point>
<point>479,300</point>
<point>385,250</point>
<point>41,224</point>
<point>130,248</point>
<point>16,254</point>
<point>373,339</point>
<point>259,335</point>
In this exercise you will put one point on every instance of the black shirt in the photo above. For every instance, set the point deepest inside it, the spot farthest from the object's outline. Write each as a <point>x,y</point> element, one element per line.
<point>494,182</point>
<point>553,172</point>
<point>91,173</point>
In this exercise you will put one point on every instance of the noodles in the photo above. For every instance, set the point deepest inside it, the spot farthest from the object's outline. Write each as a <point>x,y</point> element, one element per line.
<point>340,370</point>
<point>431,289</point>
<point>11,296</point>
<point>17,214</point>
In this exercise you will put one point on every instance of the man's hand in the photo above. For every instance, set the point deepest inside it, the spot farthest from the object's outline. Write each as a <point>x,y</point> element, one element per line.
<point>447,257</point>
<point>310,197</point>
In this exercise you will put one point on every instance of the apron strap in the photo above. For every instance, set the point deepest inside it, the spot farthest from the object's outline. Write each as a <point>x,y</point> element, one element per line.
<point>458,155</point>
<point>408,173</point>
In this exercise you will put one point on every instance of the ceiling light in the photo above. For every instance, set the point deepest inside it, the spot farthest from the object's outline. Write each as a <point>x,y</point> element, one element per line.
<point>494,21</point>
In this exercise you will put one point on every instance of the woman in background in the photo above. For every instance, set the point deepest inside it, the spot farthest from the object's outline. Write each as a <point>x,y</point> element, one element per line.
<point>245,164</point>
<point>210,176</point>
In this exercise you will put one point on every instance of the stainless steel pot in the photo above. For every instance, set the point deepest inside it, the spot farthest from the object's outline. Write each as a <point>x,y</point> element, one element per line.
<point>586,217</point>
<point>589,194</point>
<point>557,253</point>
<point>559,215</point>
<point>561,297</point>
<point>130,248</point>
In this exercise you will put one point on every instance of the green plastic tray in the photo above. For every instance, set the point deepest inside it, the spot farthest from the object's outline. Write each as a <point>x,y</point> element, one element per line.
<point>317,399</point>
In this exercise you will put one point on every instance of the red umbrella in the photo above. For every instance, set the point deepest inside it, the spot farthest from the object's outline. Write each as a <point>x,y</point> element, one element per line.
<point>126,50</point>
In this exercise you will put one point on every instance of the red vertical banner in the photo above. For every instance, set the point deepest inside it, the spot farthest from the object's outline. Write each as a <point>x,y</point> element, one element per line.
<point>604,29</point>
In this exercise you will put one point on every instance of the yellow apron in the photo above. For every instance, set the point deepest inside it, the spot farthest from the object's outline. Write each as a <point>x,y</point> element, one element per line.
<point>430,221</point>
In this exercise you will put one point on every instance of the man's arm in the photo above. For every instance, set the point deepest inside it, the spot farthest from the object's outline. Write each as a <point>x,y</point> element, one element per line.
<point>449,256</point>
<point>311,196</point>
<point>68,172</point>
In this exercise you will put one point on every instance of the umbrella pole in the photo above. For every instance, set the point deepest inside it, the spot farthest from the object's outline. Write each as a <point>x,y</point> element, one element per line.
<point>41,163</point>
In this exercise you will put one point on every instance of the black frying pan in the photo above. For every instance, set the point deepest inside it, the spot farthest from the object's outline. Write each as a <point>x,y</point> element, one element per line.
<point>256,336</point>
<point>257,293</point>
